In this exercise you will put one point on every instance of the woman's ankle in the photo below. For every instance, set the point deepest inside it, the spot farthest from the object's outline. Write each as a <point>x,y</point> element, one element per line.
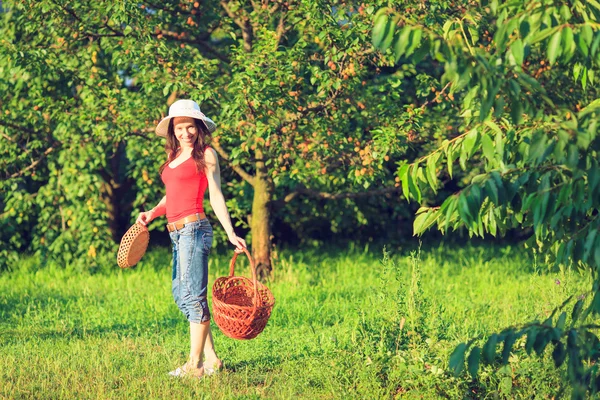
<point>212,361</point>
<point>210,355</point>
<point>195,362</point>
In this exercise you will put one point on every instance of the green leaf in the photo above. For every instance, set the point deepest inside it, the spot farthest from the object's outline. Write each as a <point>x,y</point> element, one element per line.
<point>379,29</point>
<point>494,6</point>
<point>488,148</point>
<point>422,51</point>
<point>554,47</point>
<point>492,191</point>
<point>514,88</point>
<point>457,359</point>
<point>499,106</point>
<point>568,44</point>
<point>587,33</point>
<point>402,42</point>
<point>424,220</point>
<point>463,208</point>
<point>489,349</point>
<point>413,187</point>
<point>516,111</point>
<point>524,28</point>
<point>469,142</point>
<point>431,173</point>
<point>543,34</point>
<point>581,45</point>
<point>595,45</point>
<point>388,34</point>
<point>492,226</point>
<point>565,12</point>
<point>473,361</point>
<point>516,48</point>
<point>403,176</point>
<point>474,200</point>
<point>593,176</point>
<point>499,186</point>
<point>449,159</point>
<point>451,208</point>
<point>415,41</point>
<point>167,88</point>
<point>540,205</point>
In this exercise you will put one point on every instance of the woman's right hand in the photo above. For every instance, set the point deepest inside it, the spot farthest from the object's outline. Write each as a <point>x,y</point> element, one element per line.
<point>144,218</point>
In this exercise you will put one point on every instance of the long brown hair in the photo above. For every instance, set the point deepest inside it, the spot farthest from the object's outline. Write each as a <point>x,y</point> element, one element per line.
<point>202,141</point>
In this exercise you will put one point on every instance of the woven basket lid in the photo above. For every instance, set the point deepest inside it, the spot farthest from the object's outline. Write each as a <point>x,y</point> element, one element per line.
<point>133,246</point>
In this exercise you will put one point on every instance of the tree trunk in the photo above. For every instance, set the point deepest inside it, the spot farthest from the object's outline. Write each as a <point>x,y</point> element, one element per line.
<point>261,218</point>
<point>115,193</point>
<point>112,195</point>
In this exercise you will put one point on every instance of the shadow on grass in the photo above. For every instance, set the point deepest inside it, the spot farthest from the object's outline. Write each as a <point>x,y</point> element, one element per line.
<point>118,330</point>
<point>269,362</point>
<point>66,319</point>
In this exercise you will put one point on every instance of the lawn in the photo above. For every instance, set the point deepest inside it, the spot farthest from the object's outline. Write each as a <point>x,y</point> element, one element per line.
<point>352,323</point>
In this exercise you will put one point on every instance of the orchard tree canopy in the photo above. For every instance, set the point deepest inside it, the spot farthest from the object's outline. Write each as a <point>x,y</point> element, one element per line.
<point>83,85</point>
<point>525,75</point>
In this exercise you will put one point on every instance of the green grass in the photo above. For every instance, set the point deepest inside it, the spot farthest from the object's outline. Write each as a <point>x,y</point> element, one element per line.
<point>334,332</point>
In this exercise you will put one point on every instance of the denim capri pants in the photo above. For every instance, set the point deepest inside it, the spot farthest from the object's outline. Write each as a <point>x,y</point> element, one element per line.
<point>191,246</point>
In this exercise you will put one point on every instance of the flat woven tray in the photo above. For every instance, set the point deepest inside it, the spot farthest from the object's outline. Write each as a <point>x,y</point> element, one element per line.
<point>133,246</point>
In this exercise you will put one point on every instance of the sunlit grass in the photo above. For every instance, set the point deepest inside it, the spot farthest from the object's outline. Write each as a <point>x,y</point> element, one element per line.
<point>334,333</point>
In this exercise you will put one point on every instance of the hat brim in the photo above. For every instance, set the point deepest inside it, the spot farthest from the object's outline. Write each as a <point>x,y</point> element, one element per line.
<point>162,128</point>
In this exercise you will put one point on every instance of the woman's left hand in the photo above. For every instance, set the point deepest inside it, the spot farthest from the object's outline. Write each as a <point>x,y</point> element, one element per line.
<point>238,242</point>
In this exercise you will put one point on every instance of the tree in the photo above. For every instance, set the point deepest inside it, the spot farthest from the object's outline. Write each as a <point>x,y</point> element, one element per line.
<point>524,73</point>
<point>85,83</point>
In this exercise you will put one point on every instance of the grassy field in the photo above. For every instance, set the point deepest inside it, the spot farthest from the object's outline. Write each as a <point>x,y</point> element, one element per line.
<point>346,324</point>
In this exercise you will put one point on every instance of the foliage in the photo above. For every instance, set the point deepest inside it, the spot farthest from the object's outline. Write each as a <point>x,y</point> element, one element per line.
<point>524,74</point>
<point>83,84</point>
<point>334,332</point>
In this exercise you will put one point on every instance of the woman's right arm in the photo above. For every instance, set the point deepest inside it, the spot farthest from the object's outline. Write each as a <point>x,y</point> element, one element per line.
<point>161,209</point>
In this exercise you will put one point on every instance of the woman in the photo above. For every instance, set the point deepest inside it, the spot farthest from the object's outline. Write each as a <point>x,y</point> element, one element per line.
<point>191,167</point>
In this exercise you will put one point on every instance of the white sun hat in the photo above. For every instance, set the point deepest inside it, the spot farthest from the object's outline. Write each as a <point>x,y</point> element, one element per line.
<point>184,108</point>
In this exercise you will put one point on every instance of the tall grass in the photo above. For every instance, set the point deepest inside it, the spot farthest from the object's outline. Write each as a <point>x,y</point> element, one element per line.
<point>346,324</point>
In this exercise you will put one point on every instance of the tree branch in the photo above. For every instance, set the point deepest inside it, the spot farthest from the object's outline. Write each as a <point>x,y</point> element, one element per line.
<point>281,30</point>
<point>308,110</point>
<point>33,164</point>
<point>239,170</point>
<point>244,24</point>
<point>174,36</point>
<point>303,190</point>
<point>115,33</point>
<point>15,126</point>
<point>5,136</point>
<point>143,133</point>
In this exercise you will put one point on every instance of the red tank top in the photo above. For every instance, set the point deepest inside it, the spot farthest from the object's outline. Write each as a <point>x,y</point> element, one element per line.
<point>185,189</point>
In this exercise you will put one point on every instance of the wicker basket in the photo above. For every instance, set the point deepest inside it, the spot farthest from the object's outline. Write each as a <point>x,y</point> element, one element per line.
<point>133,246</point>
<point>241,307</point>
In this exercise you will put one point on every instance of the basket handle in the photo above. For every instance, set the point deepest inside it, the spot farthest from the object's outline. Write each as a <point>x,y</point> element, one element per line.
<point>252,268</point>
